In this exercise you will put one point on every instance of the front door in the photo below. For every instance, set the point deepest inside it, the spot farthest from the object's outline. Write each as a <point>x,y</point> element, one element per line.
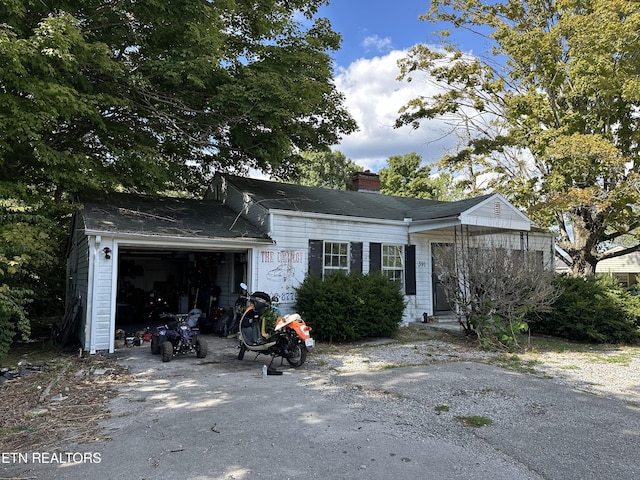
<point>440,302</point>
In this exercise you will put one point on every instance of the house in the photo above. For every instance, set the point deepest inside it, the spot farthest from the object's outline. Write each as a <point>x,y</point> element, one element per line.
<point>127,251</point>
<point>624,268</point>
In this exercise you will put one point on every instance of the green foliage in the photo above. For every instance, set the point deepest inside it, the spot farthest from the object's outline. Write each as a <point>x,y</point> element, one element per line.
<point>145,96</point>
<point>153,96</point>
<point>591,310</point>
<point>324,169</point>
<point>13,320</point>
<point>553,126</point>
<point>406,177</point>
<point>475,421</point>
<point>22,254</point>
<point>31,264</point>
<point>346,307</point>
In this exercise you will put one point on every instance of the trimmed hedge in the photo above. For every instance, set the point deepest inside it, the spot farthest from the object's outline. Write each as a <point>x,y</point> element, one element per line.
<point>591,310</point>
<point>346,306</point>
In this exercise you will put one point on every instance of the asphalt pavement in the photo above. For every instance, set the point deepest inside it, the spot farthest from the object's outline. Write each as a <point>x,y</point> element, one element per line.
<point>217,419</point>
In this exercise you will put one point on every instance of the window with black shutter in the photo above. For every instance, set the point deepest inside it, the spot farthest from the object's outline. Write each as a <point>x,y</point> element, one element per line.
<point>356,257</point>
<point>315,257</point>
<point>375,257</point>
<point>410,270</point>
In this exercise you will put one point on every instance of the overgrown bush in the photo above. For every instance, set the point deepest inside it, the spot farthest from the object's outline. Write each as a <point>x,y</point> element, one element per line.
<point>31,264</point>
<point>492,285</point>
<point>591,310</point>
<point>346,307</point>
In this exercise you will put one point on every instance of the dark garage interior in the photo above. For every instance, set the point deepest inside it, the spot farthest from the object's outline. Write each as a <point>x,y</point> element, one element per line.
<point>153,283</point>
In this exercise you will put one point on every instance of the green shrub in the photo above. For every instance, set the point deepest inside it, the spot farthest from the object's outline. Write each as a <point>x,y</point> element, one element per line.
<point>591,310</point>
<point>346,307</point>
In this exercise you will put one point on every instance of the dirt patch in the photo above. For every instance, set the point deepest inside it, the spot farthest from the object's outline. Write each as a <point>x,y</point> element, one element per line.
<point>55,399</point>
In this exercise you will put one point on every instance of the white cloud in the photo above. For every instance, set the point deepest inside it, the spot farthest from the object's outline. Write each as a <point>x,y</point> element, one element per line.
<point>374,96</point>
<point>374,42</point>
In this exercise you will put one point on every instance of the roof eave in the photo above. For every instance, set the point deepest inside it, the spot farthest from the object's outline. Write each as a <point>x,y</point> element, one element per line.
<point>173,240</point>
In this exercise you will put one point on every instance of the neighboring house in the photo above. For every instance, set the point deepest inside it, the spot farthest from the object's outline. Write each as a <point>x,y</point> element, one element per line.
<point>269,235</point>
<point>625,268</point>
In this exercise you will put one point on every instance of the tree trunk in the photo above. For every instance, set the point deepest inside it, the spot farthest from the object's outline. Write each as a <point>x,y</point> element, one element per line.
<point>586,236</point>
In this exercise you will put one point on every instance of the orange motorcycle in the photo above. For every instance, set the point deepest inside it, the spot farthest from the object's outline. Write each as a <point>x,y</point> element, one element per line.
<point>289,338</point>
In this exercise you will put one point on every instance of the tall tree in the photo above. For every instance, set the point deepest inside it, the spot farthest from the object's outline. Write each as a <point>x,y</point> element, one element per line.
<point>405,176</point>
<point>150,96</point>
<point>558,102</point>
<point>326,169</point>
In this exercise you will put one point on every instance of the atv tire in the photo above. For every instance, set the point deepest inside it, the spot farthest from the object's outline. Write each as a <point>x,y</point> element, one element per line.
<point>167,351</point>
<point>201,348</point>
<point>156,344</point>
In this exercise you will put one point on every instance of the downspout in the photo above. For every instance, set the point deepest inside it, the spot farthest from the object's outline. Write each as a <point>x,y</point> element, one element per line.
<point>94,267</point>
<point>114,294</point>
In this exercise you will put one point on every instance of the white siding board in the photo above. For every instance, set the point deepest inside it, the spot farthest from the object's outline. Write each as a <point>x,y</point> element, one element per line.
<point>102,305</point>
<point>297,231</point>
<point>629,263</point>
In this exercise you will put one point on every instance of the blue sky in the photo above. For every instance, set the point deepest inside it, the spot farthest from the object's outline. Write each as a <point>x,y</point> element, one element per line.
<point>376,34</point>
<point>375,27</point>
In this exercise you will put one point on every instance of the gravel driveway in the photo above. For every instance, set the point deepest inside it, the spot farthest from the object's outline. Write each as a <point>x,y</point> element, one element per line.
<point>386,411</point>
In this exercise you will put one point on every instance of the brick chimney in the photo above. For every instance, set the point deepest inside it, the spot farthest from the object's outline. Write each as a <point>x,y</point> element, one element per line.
<point>365,182</point>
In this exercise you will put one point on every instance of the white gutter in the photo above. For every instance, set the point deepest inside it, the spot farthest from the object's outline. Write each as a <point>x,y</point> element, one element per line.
<point>447,222</point>
<point>327,216</point>
<point>145,239</point>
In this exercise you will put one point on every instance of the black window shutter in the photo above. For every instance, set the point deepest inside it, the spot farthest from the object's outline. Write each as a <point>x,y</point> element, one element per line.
<point>356,257</point>
<point>410,270</point>
<point>375,257</point>
<point>315,257</point>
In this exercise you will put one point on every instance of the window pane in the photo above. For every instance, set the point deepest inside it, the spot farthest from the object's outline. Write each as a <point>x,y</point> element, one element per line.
<point>392,262</point>
<point>336,257</point>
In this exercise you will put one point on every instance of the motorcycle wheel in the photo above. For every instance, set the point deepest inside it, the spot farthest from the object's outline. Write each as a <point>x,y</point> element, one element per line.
<point>201,348</point>
<point>299,355</point>
<point>243,348</point>
<point>167,351</point>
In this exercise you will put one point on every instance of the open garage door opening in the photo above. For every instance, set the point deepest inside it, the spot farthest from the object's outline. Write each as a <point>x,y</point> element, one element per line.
<point>152,283</point>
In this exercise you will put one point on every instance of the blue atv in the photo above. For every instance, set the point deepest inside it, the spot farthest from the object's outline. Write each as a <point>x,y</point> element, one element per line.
<point>178,337</point>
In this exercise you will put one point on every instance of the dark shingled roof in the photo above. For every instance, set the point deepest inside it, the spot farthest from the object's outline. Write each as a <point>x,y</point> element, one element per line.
<point>287,196</point>
<point>165,216</point>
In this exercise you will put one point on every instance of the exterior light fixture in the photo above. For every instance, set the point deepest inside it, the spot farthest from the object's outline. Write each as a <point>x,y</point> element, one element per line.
<point>107,252</point>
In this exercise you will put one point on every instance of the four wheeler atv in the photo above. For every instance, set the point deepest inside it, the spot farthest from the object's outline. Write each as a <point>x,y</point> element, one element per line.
<point>178,338</point>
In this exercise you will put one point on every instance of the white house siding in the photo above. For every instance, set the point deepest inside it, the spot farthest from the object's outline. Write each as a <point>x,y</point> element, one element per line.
<point>543,242</point>
<point>531,241</point>
<point>424,271</point>
<point>626,268</point>
<point>99,328</point>
<point>498,213</point>
<point>629,263</point>
<point>292,233</point>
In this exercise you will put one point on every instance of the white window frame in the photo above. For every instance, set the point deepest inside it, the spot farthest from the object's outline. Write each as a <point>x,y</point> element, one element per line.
<point>392,262</point>
<point>335,260</point>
